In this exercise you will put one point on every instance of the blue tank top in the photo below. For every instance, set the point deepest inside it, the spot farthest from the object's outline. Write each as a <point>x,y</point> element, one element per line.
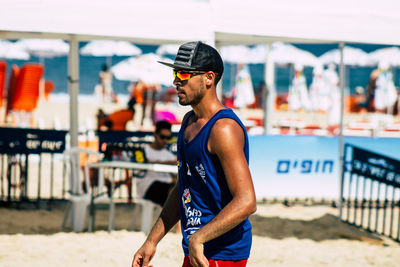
<point>204,192</point>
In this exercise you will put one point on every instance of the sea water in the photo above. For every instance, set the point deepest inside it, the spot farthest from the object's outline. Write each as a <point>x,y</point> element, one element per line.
<point>56,71</point>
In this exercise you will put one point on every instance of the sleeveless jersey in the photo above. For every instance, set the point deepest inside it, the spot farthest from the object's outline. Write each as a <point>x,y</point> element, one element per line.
<point>204,192</point>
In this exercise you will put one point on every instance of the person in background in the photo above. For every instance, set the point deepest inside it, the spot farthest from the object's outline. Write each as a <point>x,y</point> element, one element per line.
<point>385,91</point>
<point>214,195</point>
<point>332,82</point>
<point>155,186</point>
<point>368,104</point>
<point>319,91</point>
<point>105,77</point>
<point>298,98</point>
<point>117,120</point>
<point>359,99</point>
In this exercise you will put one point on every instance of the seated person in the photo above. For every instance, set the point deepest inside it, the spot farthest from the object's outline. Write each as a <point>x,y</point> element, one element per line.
<point>117,120</point>
<point>155,186</point>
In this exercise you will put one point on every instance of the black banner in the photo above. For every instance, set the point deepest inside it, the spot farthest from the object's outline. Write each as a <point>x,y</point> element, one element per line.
<point>129,139</point>
<point>375,166</point>
<point>31,141</point>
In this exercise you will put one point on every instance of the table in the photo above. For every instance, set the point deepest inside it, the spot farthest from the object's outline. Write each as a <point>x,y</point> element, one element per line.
<point>101,165</point>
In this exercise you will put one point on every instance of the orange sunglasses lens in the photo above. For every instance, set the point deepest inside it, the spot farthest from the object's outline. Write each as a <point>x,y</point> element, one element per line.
<point>182,75</point>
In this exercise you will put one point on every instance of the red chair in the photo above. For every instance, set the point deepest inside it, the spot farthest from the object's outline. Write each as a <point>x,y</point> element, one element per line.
<point>3,67</point>
<point>26,91</point>
<point>23,89</point>
<point>10,88</point>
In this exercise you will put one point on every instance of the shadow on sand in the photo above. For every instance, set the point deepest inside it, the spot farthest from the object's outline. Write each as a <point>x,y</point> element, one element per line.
<point>327,227</point>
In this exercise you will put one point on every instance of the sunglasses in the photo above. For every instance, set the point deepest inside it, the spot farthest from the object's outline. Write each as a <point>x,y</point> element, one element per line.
<point>165,137</point>
<point>186,75</point>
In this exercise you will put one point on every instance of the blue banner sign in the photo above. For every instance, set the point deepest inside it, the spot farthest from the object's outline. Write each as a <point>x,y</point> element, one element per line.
<point>309,166</point>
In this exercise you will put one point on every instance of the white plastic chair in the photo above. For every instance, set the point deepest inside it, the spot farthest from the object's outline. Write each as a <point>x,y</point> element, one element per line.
<point>147,208</point>
<point>79,199</point>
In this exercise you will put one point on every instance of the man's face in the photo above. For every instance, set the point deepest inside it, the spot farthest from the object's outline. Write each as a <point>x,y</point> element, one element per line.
<point>191,91</point>
<point>162,138</point>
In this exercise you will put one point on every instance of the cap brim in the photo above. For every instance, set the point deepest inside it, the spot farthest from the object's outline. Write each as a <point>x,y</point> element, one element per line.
<point>175,66</point>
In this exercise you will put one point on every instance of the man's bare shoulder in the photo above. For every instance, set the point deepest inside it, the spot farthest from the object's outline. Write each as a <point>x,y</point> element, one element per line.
<point>225,133</point>
<point>226,126</point>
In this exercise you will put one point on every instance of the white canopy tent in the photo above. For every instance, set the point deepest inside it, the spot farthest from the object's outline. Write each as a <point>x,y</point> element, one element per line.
<point>148,22</point>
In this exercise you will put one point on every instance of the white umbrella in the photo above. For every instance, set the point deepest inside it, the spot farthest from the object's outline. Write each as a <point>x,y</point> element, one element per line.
<point>145,68</point>
<point>389,55</point>
<point>244,54</point>
<point>351,56</point>
<point>168,49</point>
<point>283,53</point>
<point>108,48</point>
<point>8,50</point>
<point>235,54</point>
<point>44,48</point>
<point>258,54</point>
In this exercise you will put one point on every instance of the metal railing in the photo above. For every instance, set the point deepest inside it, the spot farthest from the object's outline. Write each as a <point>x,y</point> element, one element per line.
<point>370,192</point>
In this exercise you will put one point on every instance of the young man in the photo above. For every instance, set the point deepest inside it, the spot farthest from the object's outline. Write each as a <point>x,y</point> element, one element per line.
<point>155,186</point>
<point>215,195</point>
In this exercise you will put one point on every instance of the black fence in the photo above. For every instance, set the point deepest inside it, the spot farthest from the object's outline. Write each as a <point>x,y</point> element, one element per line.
<point>26,157</point>
<point>31,160</point>
<point>371,192</point>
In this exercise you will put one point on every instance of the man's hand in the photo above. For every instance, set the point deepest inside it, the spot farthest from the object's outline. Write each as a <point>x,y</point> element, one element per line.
<point>196,253</point>
<point>143,256</point>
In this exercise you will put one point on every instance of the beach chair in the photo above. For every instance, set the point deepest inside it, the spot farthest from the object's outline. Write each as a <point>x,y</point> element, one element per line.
<point>3,69</point>
<point>147,211</point>
<point>80,188</point>
<point>23,92</point>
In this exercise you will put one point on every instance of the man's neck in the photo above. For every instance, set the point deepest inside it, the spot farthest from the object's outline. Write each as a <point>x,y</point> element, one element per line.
<point>207,108</point>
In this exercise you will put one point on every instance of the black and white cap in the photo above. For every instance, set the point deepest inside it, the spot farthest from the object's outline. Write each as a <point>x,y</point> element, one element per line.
<point>197,56</point>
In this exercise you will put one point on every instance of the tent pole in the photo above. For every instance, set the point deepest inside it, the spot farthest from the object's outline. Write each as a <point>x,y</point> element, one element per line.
<point>341,148</point>
<point>269,98</point>
<point>73,85</point>
<point>219,85</point>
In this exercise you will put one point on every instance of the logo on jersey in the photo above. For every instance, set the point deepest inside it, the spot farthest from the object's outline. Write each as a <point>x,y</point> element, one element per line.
<point>186,198</point>
<point>201,171</point>
<point>188,172</point>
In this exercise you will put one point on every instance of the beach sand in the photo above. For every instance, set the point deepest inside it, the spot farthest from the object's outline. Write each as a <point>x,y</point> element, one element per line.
<point>282,236</point>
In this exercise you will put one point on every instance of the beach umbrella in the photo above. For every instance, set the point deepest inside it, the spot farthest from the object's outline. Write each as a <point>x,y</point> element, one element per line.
<point>351,56</point>
<point>167,49</point>
<point>109,48</point>
<point>44,48</point>
<point>235,54</point>
<point>283,53</point>
<point>145,68</point>
<point>258,54</point>
<point>241,54</point>
<point>389,55</point>
<point>8,50</point>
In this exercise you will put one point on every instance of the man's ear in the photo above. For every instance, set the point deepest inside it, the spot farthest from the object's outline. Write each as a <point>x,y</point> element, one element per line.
<point>210,77</point>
